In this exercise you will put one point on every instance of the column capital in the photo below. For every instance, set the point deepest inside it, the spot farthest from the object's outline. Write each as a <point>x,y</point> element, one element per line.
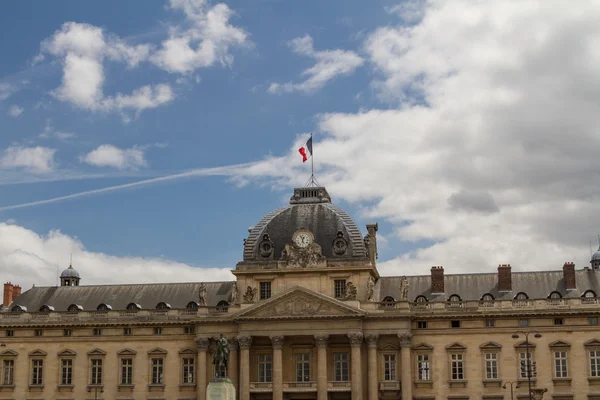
<point>355,339</point>
<point>245,341</point>
<point>371,339</point>
<point>277,341</point>
<point>233,343</point>
<point>202,343</point>
<point>405,339</point>
<point>321,339</point>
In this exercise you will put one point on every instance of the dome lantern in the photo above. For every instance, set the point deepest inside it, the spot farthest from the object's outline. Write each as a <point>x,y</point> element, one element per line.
<point>69,277</point>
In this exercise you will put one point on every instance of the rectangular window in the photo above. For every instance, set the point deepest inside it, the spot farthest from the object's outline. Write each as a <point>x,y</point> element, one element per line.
<point>37,372</point>
<point>97,332</point>
<point>67,332</point>
<point>189,330</point>
<point>340,367</point>
<point>389,367</point>
<point>96,378</point>
<point>523,322</point>
<point>593,320</point>
<point>158,331</point>
<point>265,367</point>
<point>595,363</point>
<point>490,323</point>
<point>127,331</point>
<point>491,365</point>
<point>559,321</point>
<point>10,333</point>
<point>188,370</point>
<point>339,288</point>
<point>303,367</point>
<point>265,290</point>
<point>524,360</point>
<point>423,367</point>
<point>9,372</point>
<point>455,324</point>
<point>457,367</point>
<point>422,324</point>
<point>560,364</point>
<point>38,332</point>
<point>66,372</point>
<point>157,371</point>
<point>126,371</point>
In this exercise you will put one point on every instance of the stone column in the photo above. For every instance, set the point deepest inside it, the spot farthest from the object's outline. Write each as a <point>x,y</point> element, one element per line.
<point>321,342</point>
<point>245,343</point>
<point>232,368</point>
<point>372,363</point>
<point>355,343</point>
<point>202,345</point>
<point>405,340</point>
<point>277,367</point>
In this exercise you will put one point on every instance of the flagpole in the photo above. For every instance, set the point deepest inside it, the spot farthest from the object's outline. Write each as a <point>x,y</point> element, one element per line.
<point>312,159</point>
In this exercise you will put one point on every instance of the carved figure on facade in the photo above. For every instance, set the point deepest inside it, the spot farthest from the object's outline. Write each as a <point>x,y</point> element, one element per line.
<point>202,292</point>
<point>202,343</point>
<point>298,306</point>
<point>308,257</point>
<point>221,357</point>
<point>234,295</point>
<point>370,288</point>
<point>351,291</point>
<point>404,288</point>
<point>250,295</point>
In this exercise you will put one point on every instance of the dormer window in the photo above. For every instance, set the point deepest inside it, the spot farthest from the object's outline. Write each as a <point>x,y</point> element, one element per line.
<point>555,295</point>
<point>133,307</point>
<point>588,294</point>
<point>521,296</point>
<point>192,305</point>
<point>388,301</point>
<point>487,297</point>
<point>18,309</point>
<point>163,306</point>
<point>421,299</point>
<point>74,308</point>
<point>454,298</point>
<point>104,307</point>
<point>46,308</point>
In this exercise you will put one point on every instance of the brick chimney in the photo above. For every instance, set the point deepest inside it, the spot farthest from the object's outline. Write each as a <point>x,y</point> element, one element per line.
<point>437,280</point>
<point>569,276</point>
<point>8,294</point>
<point>16,291</point>
<point>372,242</point>
<point>504,278</point>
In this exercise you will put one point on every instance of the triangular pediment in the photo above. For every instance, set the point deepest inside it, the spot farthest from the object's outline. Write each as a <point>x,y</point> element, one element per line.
<point>157,351</point>
<point>423,347</point>
<point>127,352</point>
<point>37,353</point>
<point>96,352</point>
<point>456,347</point>
<point>67,353</point>
<point>593,342</point>
<point>559,343</point>
<point>490,346</point>
<point>9,353</point>
<point>299,302</point>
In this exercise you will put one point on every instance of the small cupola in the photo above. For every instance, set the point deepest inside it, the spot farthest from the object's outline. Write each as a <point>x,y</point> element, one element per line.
<point>595,261</point>
<point>69,277</point>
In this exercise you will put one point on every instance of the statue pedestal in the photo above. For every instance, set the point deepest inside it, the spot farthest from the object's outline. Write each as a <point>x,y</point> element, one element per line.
<point>220,389</point>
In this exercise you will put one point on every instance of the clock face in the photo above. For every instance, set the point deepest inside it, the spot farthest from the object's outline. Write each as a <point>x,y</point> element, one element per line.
<point>302,239</point>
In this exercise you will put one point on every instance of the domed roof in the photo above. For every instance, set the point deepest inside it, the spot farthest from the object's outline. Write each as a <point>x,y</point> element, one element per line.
<point>596,256</point>
<point>70,273</point>
<point>310,208</point>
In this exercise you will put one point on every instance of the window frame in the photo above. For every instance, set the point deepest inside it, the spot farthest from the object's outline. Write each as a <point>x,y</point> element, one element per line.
<point>340,365</point>
<point>264,367</point>
<point>66,371</point>
<point>96,369</point>
<point>123,368</point>
<point>592,350</point>
<point>560,364</point>
<point>265,290</point>
<point>390,366</point>
<point>157,372</point>
<point>339,288</point>
<point>36,371</point>
<point>304,364</point>
<point>8,373</point>
<point>423,356</point>
<point>188,362</point>
<point>457,365</point>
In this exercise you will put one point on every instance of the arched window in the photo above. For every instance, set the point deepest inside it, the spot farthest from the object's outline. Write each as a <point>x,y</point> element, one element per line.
<point>133,307</point>
<point>74,308</point>
<point>223,303</point>
<point>388,302</point>
<point>521,296</point>
<point>18,308</point>
<point>163,306</point>
<point>421,299</point>
<point>46,308</point>
<point>487,297</point>
<point>454,297</point>
<point>192,305</point>
<point>589,294</point>
<point>103,307</point>
<point>555,295</point>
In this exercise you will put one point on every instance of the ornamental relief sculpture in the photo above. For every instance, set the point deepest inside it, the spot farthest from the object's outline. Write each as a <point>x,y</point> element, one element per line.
<point>250,295</point>
<point>309,257</point>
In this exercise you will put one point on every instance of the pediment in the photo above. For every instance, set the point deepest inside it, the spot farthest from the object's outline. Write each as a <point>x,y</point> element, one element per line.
<point>37,353</point>
<point>456,347</point>
<point>127,352</point>
<point>423,347</point>
<point>490,346</point>
<point>157,351</point>
<point>67,353</point>
<point>96,352</point>
<point>559,343</point>
<point>524,345</point>
<point>593,342</point>
<point>9,353</point>
<point>299,302</point>
<point>188,351</point>
<point>388,346</point>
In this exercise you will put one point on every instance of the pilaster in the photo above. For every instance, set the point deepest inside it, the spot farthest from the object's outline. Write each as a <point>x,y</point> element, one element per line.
<point>245,342</point>
<point>321,343</point>
<point>277,341</point>
<point>373,390</point>
<point>356,339</point>
<point>202,345</point>
<point>405,340</point>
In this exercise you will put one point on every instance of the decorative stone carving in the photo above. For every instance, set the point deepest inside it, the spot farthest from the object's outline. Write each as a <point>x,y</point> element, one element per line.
<point>350,291</point>
<point>405,339</point>
<point>277,341</point>
<point>404,288</point>
<point>370,288</point>
<point>321,340</point>
<point>308,257</point>
<point>202,343</point>
<point>250,295</point>
<point>244,341</point>
<point>371,339</point>
<point>234,294</point>
<point>355,338</point>
<point>233,342</point>
<point>340,244</point>
<point>266,247</point>
<point>202,294</point>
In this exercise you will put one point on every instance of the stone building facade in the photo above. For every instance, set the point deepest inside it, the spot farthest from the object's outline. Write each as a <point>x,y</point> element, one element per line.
<point>309,317</point>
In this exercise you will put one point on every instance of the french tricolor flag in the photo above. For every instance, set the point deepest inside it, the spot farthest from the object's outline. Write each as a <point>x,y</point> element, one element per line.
<point>306,150</point>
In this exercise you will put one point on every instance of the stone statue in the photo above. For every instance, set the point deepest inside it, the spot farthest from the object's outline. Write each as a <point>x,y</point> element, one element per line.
<point>221,357</point>
<point>250,295</point>
<point>202,294</point>
<point>234,297</point>
<point>350,291</point>
<point>404,288</point>
<point>370,288</point>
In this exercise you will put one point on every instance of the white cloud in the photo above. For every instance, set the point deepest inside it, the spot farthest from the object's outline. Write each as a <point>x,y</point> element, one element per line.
<point>34,159</point>
<point>51,133</point>
<point>411,11</point>
<point>108,155</point>
<point>83,49</point>
<point>330,64</point>
<point>6,90</point>
<point>206,41</point>
<point>15,111</point>
<point>27,258</point>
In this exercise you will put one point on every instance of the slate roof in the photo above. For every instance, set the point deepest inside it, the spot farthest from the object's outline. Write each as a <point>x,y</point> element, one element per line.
<point>537,285</point>
<point>177,295</point>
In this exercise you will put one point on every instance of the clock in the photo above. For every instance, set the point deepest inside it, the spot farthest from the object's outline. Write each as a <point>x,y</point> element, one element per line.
<point>302,239</point>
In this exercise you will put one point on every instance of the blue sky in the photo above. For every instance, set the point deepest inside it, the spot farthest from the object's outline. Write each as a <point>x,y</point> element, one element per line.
<point>429,117</point>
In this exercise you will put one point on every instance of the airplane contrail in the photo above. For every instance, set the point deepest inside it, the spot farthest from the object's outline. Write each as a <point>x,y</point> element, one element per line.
<point>225,170</point>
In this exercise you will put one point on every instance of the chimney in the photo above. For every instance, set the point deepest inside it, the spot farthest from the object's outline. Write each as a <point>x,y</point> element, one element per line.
<point>437,280</point>
<point>8,294</point>
<point>16,291</point>
<point>371,242</point>
<point>504,278</point>
<point>569,276</point>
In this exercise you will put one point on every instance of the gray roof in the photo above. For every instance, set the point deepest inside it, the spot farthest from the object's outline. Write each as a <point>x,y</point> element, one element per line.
<point>596,255</point>
<point>537,285</point>
<point>69,273</point>
<point>315,214</point>
<point>177,295</point>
